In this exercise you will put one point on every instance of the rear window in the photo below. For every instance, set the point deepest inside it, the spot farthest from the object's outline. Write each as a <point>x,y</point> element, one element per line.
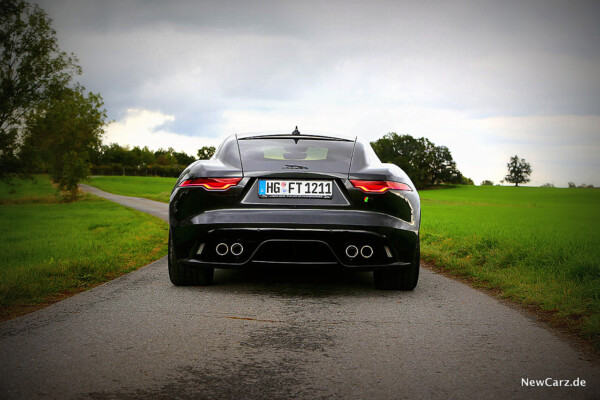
<point>330,155</point>
<point>295,150</point>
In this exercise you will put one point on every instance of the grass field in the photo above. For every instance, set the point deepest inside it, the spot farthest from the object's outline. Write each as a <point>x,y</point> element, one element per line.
<point>35,190</point>
<point>150,187</point>
<point>539,247</point>
<point>49,249</point>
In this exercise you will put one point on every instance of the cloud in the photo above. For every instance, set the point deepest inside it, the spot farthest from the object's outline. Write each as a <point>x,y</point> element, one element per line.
<point>144,128</point>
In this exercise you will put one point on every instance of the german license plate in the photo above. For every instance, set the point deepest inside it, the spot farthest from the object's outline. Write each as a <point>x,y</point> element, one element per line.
<point>295,188</point>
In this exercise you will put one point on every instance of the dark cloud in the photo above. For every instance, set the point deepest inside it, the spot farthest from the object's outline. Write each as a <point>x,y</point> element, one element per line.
<point>195,60</point>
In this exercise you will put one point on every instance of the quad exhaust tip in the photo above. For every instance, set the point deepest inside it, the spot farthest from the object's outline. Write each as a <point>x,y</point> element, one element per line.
<point>366,251</point>
<point>222,249</point>
<point>237,249</point>
<point>352,251</point>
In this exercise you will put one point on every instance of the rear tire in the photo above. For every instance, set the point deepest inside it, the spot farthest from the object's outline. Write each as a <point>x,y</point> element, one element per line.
<point>400,279</point>
<point>185,275</point>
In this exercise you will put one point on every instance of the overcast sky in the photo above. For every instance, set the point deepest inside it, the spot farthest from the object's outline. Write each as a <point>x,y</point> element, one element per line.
<point>487,79</point>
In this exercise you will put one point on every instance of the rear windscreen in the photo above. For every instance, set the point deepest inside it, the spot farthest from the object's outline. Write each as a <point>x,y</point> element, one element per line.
<point>264,154</point>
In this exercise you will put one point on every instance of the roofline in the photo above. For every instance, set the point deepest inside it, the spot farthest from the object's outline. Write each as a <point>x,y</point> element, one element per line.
<point>294,136</point>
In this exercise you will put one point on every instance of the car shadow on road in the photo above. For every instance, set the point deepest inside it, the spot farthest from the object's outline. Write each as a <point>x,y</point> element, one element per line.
<point>292,279</point>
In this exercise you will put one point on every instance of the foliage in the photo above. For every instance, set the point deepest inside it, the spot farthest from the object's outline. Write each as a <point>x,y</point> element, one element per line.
<point>572,185</point>
<point>182,158</point>
<point>549,185</point>
<point>61,133</point>
<point>466,181</point>
<point>518,171</point>
<point>425,163</point>
<point>32,71</point>
<point>206,152</point>
<point>487,183</point>
<point>115,159</point>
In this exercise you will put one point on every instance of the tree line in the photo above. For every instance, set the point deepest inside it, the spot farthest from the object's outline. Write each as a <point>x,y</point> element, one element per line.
<point>425,163</point>
<point>115,159</point>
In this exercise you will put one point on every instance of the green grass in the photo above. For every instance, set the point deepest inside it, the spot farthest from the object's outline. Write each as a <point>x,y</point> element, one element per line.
<point>35,190</point>
<point>51,250</point>
<point>149,187</point>
<point>538,246</point>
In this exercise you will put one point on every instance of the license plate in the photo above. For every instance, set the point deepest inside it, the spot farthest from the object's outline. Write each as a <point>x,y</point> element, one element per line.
<point>295,188</point>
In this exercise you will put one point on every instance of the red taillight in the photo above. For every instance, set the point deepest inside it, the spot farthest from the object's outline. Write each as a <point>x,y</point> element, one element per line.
<point>379,186</point>
<point>212,183</point>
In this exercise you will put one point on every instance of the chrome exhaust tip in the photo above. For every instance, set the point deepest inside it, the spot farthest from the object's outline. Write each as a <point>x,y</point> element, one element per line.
<point>366,251</point>
<point>352,251</point>
<point>237,249</point>
<point>222,249</point>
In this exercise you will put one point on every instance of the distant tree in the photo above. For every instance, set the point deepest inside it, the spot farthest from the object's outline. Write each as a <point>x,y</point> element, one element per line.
<point>206,152</point>
<point>549,185</point>
<point>147,156</point>
<point>117,154</point>
<point>62,133</point>
<point>518,171</point>
<point>165,157</point>
<point>183,159</point>
<point>572,185</point>
<point>442,167</point>
<point>466,181</point>
<point>33,70</point>
<point>487,183</point>
<point>425,163</point>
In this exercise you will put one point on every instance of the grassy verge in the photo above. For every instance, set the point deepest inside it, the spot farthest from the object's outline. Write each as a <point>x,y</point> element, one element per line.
<point>50,250</point>
<point>539,247</point>
<point>149,187</point>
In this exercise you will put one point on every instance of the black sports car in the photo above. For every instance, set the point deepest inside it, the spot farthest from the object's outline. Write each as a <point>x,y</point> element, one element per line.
<point>294,199</point>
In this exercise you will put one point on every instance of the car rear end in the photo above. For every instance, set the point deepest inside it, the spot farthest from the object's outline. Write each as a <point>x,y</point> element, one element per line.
<point>294,199</point>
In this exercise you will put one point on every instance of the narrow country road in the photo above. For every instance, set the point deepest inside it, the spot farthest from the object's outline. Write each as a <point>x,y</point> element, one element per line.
<point>275,333</point>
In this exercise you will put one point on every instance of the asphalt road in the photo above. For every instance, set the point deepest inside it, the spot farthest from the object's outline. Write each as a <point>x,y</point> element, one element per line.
<point>284,333</point>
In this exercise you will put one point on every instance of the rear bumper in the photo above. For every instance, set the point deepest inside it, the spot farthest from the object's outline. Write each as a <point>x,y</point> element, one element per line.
<point>313,236</point>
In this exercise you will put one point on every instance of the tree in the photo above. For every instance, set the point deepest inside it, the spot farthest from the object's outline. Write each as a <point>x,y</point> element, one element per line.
<point>165,157</point>
<point>572,185</point>
<point>32,71</point>
<point>183,159</point>
<point>518,171</point>
<point>487,182</point>
<point>424,162</point>
<point>206,152</point>
<point>117,154</point>
<point>63,132</point>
